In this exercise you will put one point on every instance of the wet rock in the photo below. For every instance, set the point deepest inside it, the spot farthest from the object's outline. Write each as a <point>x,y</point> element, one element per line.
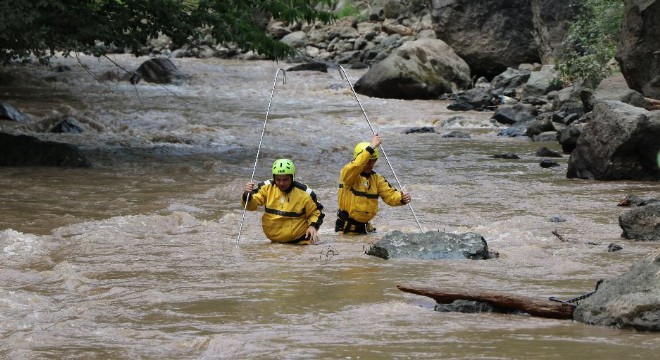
<point>456,134</point>
<point>470,307</point>
<point>67,125</point>
<point>430,245</point>
<point>628,301</point>
<point>62,68</point>
<point>519,129</point>
<point>545,163</point>
<point>23,150</point>
<point>511,114</point>
<point>545,152</point>
<point>614,247</point>
<point>310,66</point>
<point>8,112</point>
<point>641,223</point>
<point>159,71</point>
<point>547,136</point>
<point>509,156</point>
<point>557,218</point>
<point>418,130</point>
<point>477,99</point>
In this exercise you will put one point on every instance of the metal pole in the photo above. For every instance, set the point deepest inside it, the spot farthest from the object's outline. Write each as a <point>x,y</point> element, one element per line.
<point>263,131</point>
<point>342,72</point>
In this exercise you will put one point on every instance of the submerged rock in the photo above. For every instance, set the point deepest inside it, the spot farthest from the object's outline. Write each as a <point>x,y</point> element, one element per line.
<point>23,150</point>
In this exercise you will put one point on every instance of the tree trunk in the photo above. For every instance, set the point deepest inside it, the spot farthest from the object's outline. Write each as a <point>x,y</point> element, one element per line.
<point>532,306</point>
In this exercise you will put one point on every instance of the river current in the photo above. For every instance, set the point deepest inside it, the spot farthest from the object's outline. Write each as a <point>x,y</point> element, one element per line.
<point>139,256</point>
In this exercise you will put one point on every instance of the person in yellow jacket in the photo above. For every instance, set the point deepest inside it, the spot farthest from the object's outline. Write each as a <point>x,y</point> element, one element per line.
<point>359,190</point>
<point>292,214</point>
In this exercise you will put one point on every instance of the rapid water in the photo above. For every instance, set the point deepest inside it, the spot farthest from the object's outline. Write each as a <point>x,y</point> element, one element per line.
<point>139,256</point>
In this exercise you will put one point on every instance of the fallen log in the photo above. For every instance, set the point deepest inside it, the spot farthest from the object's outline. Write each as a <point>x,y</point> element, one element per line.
<point>532,306</point>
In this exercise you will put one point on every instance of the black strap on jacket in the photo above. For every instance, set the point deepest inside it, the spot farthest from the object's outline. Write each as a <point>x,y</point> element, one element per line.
<point>346,224</point>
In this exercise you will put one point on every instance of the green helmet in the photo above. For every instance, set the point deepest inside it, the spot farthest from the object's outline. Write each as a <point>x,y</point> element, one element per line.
<point>360,148</point>
<point>284,167</point>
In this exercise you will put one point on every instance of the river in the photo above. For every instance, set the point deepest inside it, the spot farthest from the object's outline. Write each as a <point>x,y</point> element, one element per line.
<point>139,256</point>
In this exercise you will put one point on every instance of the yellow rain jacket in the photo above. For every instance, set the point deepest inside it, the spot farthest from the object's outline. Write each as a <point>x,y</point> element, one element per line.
<point>287,215</point>
<point>359,192</point>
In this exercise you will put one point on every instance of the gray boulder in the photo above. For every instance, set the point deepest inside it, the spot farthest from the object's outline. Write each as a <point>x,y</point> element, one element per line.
<point>541,82</point>
<point>619,142</point>
<point>631,300</point>
<point>430,245</point>
<point>641,223</point>
<point>509,82</point>
<point>420,69</point>
<point>511,114</point>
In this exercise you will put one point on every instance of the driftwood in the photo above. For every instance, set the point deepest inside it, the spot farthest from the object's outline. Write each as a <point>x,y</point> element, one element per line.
<point>532,306</point>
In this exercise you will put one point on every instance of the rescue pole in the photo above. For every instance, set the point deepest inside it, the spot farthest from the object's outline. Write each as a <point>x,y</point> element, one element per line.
<point>343,74</point>
<point>263,131</point>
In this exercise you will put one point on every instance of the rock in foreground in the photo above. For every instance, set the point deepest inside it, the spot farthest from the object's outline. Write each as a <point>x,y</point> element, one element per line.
<point>430,245</point>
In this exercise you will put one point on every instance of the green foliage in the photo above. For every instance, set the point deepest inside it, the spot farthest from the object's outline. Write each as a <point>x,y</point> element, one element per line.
<point>347,10</point>
<point>40,28</point>
<point>591,41</point>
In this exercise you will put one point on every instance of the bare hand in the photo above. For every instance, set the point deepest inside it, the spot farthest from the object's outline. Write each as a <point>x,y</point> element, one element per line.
<point>375,141</point>
<point>312,235</point>
<point>249,187</point>
<point>405,197</point>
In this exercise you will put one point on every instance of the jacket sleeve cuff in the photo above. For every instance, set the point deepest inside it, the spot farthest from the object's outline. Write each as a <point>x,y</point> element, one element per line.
<point>245,196</point>
<point>370,150</point>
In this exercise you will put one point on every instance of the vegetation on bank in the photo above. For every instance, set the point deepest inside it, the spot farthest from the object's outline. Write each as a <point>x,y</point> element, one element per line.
<point>592,41</point>
<point>37,28</point>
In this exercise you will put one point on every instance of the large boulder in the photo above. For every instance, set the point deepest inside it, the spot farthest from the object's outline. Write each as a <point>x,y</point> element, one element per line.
<point>430,245</point>
<point>637,52</point>
<point>489,35</point>
<point>420,69</point>
<point>631,300</point>
<point>620,142</point>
